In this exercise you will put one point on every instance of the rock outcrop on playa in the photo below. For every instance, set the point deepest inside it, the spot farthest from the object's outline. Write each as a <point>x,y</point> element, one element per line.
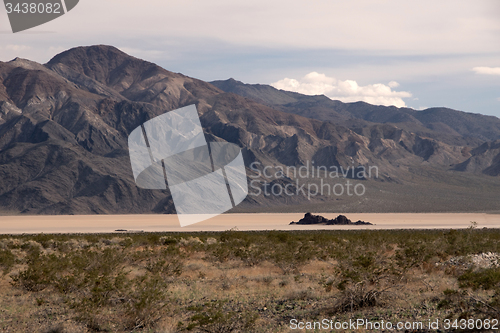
<point>318,219</point>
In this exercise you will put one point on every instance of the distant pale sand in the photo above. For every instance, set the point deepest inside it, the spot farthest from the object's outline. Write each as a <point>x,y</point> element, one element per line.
<point>110,223</point>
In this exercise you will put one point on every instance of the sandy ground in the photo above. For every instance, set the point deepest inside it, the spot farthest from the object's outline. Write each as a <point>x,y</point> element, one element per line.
<point>110,223</point>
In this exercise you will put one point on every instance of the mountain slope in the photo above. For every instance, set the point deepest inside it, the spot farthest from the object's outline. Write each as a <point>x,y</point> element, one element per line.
<point>64,128</point>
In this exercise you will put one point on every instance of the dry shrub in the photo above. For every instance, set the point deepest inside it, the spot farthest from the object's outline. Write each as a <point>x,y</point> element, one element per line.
<point>190,241</point>
<point>75,244</point>
<point>301,294</point>
<point>358,296</point>
<point>267,280</point>
<point>220,317</point>
<point>167,325</point>
<point>211,241</point>
<point>65,327</point>
<point>146,302</point>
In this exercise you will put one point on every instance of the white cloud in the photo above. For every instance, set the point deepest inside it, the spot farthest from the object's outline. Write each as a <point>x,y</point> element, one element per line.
<point>487,70</point>
<point>16,47</point>
<point>346,91</point>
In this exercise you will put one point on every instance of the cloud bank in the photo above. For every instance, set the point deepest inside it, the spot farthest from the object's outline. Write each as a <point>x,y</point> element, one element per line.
<point>487,70</point>
<point>346,91</point>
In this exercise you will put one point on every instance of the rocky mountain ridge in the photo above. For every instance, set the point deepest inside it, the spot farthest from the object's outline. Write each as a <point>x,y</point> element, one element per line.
<point>64,128</point>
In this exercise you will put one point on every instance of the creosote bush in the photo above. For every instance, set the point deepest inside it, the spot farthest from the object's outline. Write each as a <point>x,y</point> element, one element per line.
<point>7,260</point>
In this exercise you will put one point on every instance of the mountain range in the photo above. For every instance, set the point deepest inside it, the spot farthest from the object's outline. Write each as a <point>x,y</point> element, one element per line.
<point>64,127</point>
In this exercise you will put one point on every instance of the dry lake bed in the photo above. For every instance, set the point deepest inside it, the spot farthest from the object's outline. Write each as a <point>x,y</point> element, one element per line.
<point>152,223</point>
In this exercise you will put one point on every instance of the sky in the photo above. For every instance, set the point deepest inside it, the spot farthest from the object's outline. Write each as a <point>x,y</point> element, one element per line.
<point>417,54</point>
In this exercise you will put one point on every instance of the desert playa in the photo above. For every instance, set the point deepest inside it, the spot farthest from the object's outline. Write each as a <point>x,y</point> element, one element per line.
<point>157,223</point>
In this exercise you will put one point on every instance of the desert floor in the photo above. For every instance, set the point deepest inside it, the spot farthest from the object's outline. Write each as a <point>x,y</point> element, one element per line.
<point>250,281</point>
<point>151,223</point>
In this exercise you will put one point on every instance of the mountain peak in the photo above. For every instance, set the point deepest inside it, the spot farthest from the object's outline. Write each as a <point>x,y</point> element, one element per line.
<point>99,62</point>
<point>233,81</point>
<point>26,64</point>
<point>94,52</point>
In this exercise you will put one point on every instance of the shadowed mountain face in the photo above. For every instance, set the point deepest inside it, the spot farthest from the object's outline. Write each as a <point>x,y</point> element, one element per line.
<point>64,128</point>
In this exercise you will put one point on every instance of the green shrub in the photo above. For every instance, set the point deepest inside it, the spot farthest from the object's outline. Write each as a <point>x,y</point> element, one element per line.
<point>451,297</point>
<point>168,267</point>
<point>486,279</point>
<point>40,271</point>
<point>7,260</point>
<point>146,301</point>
